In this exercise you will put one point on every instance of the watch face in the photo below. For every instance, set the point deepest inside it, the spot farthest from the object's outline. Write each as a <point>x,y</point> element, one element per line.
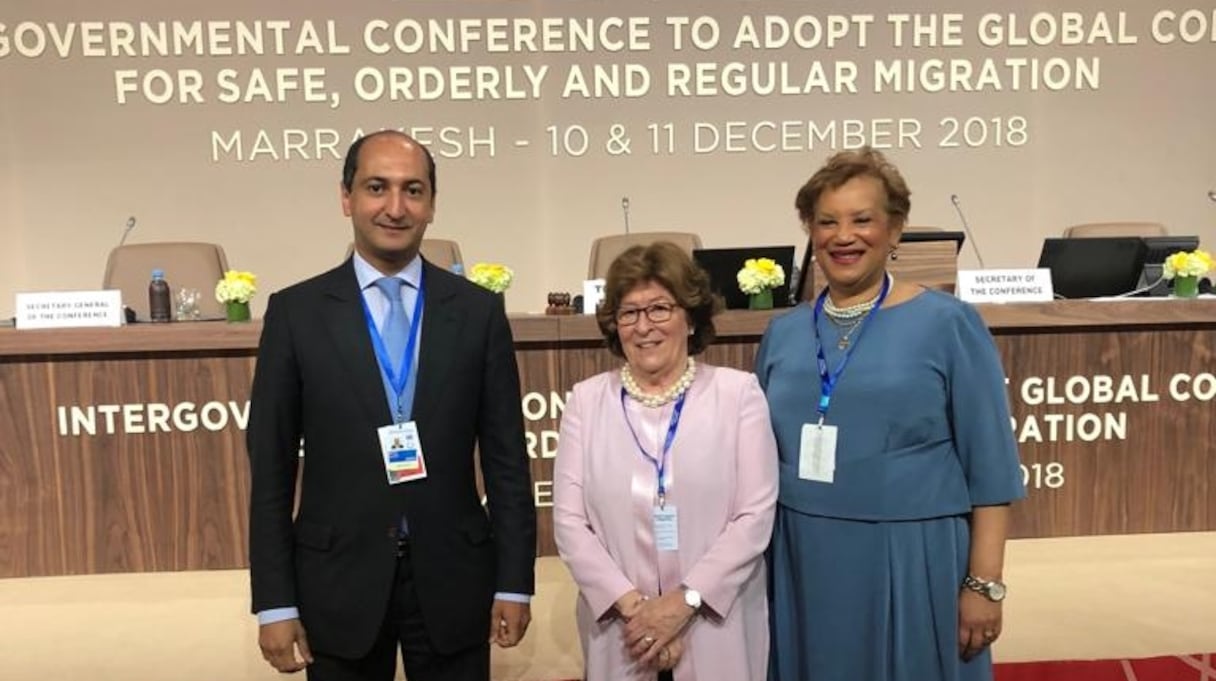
<point>996,591</point>
<point>692,598</point>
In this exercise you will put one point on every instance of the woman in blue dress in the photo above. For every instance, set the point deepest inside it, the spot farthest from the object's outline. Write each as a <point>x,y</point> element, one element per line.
<point>897,459</point>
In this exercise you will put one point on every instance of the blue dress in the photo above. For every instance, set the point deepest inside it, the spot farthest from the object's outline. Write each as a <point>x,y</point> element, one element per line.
<point>866,570</point>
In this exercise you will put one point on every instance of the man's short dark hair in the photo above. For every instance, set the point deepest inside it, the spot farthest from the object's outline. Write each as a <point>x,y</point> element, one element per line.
<point>351,164</point>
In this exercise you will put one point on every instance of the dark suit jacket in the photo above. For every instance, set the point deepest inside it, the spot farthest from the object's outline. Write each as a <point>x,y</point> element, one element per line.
<point>317,377</point>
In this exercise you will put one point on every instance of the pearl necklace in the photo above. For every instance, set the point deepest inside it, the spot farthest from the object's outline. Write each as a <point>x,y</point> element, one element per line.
<point>854,311</point>
<point>673,393</point>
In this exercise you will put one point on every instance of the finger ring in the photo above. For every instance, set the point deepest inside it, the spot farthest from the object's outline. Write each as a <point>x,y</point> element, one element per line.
<point>649,640</point>
<point>989,635</point>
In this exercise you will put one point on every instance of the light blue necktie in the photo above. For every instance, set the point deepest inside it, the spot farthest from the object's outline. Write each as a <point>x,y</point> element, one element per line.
<point>395,330</point>
<point>395,333</point>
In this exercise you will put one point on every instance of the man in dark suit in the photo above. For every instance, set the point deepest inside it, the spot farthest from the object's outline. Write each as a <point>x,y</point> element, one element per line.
<point>392,371</point>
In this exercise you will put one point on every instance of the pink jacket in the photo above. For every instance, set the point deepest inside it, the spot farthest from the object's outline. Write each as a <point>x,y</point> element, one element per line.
<point>723,481</point>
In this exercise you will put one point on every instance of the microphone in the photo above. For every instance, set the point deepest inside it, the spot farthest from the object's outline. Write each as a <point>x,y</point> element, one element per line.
<point>127,311</point>
<point>125,232</point>
<point>625,211</point>
<point>958,208</point>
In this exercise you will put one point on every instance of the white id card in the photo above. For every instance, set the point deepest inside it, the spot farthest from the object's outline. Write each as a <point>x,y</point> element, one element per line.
<point>666,528</point>
<point>401,450</point>
<point>817,456</point>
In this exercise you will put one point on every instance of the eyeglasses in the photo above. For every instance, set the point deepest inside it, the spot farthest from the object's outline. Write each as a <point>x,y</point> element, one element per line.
<point>656,312</point>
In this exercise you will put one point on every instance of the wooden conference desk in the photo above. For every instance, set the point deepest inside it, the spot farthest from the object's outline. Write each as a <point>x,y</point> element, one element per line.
<point>121,450</point>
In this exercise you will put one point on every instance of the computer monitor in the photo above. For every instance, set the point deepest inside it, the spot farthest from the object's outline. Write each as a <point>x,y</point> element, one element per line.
<point>1160,248</point>
<point>1094,267</point>
<point>723,265</point>
<point>921,236</point>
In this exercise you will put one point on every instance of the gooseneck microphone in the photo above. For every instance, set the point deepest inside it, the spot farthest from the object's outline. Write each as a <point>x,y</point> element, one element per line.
<point>127,310</point>
<point>125,232</point>
<point>625,212</point>
<point>958,208</point>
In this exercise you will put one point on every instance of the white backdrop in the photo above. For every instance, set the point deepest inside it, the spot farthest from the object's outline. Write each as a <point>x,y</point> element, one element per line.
<point>1037,116</point>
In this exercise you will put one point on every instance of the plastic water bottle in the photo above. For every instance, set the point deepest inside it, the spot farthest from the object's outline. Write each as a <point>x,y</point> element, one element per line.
<point>458,269</point>
<point>160,307</point>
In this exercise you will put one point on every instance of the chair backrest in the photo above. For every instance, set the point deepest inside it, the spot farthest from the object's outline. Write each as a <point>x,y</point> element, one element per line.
<point>1097,229</point>
<point>606,248</point>
<point>186,265</point>
<point>442,253</point>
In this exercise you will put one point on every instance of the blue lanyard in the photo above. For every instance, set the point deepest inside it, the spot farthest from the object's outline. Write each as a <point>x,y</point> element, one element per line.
<point>660,464</point>
<point>828,381</point>
<point>397,379</point>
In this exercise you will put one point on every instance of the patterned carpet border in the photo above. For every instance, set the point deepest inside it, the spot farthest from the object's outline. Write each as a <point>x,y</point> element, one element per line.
<point>1195,667</point>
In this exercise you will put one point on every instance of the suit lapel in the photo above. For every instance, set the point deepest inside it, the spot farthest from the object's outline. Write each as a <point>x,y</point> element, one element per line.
<point>347,326</point>
<point>441,324</point>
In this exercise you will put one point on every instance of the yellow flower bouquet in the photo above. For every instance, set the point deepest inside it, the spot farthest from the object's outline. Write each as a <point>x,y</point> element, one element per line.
<point>492,276</point>
<point>1185,269</point>
<point>235,291</point>
<point>757,279</point>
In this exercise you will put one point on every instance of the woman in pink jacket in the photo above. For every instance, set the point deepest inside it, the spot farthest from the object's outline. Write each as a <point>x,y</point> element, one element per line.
<point>665,488</point>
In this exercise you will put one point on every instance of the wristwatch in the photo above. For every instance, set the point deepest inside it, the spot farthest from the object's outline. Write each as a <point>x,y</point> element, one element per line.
<point>990,589</point>
<point>692,598</point>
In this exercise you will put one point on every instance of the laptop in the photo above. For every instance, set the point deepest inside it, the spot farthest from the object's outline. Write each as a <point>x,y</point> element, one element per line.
<point>723,265</point>
<point>1094,267</point>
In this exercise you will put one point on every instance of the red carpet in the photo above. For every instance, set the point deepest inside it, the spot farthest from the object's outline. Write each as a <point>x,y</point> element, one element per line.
<point>1199,667</point>
<point>1184,668</point>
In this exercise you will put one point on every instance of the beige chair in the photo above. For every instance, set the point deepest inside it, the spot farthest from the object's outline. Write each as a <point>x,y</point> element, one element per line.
<point>1098,229</point>
<point>186,265</point>
<point>606,248</point>
<point>442,253</point>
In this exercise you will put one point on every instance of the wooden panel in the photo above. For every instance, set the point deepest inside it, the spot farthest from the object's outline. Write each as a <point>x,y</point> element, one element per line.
<point>535,328</point>
<point>80,492</point>
<point>119,500</point>
<point>540,377</point>
<point>1140,313</point>
<point>1155,479</point>
<point>138,338</point>
<point>141,339</point>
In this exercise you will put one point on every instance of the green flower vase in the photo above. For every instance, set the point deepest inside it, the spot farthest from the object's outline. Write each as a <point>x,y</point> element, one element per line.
<point>1186,287</point>
<point>761,301</point>
<point>236,312</point>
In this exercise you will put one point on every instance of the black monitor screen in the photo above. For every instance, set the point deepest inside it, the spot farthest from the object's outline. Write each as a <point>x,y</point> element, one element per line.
<point>723,264</point>
<point>1094,267</point>
<point>1162,247</point>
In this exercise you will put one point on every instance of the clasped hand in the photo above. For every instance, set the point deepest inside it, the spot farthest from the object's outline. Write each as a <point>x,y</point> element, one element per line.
<point>653,628</point>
